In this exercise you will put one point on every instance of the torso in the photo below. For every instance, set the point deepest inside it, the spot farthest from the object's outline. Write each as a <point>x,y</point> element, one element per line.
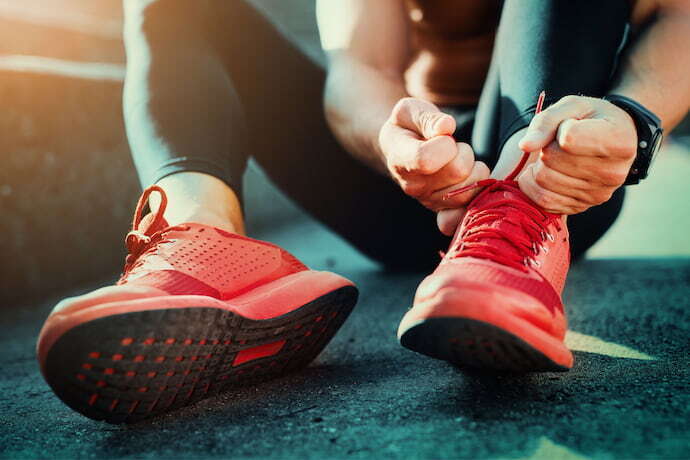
<point>452,43</point>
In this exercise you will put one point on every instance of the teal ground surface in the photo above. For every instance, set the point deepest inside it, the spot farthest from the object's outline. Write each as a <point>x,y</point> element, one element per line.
<point>628,395</point>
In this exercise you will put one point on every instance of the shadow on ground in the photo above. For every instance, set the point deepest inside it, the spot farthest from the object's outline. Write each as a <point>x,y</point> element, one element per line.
<point>367,396</point>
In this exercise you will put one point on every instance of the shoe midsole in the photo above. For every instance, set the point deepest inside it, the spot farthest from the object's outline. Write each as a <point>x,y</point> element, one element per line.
<point>268,301</point>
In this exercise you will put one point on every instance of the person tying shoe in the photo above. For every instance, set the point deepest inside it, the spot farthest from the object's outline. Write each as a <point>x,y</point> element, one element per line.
<point>412,140</point>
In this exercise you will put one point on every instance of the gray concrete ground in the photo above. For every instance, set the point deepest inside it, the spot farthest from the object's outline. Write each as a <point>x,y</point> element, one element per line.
<point>628,395</point>
<point>365,396</point>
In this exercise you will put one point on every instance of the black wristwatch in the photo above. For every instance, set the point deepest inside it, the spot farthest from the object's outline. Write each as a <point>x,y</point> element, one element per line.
<point>649,136</point>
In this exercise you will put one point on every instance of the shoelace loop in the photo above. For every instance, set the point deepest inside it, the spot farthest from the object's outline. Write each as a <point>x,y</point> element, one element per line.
<point>138,242</point>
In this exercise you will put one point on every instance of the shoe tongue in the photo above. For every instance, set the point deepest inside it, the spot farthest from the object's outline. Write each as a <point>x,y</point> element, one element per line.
<point>505,191</point>
<point>146,224</point>
<point>499,198</point>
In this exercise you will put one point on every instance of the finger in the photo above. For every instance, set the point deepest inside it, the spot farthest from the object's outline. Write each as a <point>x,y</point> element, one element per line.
<point>542,129</point>
<point>448,220</point>
<point>555,181</point>
<point>581,167</point>
<point>480,171</point>
<point>401,146</point>
<point>422,117</point>
<point>597,137</point>
<point>549,201</point>
<point>593,169</point>
<point>456,171</point>
<point>414,186</point>
<point>431,156</point>
<point>410,156</point>
<point>584,191</point>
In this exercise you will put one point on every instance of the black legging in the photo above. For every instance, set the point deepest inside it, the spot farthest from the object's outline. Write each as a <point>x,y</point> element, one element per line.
<point>219,71</point>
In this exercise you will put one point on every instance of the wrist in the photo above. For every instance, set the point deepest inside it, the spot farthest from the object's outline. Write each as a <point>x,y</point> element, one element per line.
<point>361,140</point>
<point>647,126</point>
<point>377,153</point>
<point>365,138</point>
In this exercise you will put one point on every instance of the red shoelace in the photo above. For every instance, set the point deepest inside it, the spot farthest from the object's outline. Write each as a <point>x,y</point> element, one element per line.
<point>138,243</point>
<point>479,234</point>
<point>526,235</point>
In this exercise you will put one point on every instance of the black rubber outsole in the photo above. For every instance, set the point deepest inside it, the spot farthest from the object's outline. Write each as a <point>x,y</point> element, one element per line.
<point>468,343</point>
<point>128,367</point>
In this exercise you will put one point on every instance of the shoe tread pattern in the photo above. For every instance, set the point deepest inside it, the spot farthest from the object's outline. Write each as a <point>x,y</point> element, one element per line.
<point>469,343</point>
<point>128,367</point>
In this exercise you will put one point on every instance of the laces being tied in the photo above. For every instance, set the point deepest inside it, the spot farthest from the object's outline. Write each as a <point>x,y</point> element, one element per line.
<point>140,241</point>
<point>511,230</point>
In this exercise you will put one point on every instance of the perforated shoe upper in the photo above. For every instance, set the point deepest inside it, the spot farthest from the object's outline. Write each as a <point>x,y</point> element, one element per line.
<point>198,259</point>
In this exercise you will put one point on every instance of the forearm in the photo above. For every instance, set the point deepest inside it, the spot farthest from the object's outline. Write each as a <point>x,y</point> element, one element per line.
<point>358,100</point>
<point>655,71</point>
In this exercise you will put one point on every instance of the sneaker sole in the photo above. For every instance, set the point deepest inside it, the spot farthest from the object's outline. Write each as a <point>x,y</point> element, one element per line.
<point>128,367</point>
<point>476,344</point>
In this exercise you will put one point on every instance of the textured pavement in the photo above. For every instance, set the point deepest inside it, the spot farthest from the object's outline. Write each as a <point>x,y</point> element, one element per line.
<point>365,396</point>
<point>628,395</point>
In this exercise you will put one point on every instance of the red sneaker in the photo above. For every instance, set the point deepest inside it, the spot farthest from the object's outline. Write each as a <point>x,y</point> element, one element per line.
<point>494,302</point>
<point>196,310</point>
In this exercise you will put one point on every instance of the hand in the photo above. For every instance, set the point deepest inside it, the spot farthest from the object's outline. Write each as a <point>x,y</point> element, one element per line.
<point>586,146</point>
<point>425,160</point>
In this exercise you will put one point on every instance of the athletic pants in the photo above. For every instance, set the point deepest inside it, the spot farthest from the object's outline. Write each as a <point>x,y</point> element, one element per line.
<point>224,84</point>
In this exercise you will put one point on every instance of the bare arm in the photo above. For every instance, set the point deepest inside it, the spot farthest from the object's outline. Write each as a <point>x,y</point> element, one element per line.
<point>366,43</point>
<point>368,109</point>
<point>655,71</point>
<point>596,141</point>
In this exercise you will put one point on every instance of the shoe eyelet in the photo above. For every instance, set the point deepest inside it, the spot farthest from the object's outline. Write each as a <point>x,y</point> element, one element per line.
<point>550,237</point>
<point>544,249</point>
<point>528,261</point>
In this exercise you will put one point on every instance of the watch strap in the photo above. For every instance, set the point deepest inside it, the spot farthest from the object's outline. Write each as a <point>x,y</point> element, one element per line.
<point>647,125</point>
